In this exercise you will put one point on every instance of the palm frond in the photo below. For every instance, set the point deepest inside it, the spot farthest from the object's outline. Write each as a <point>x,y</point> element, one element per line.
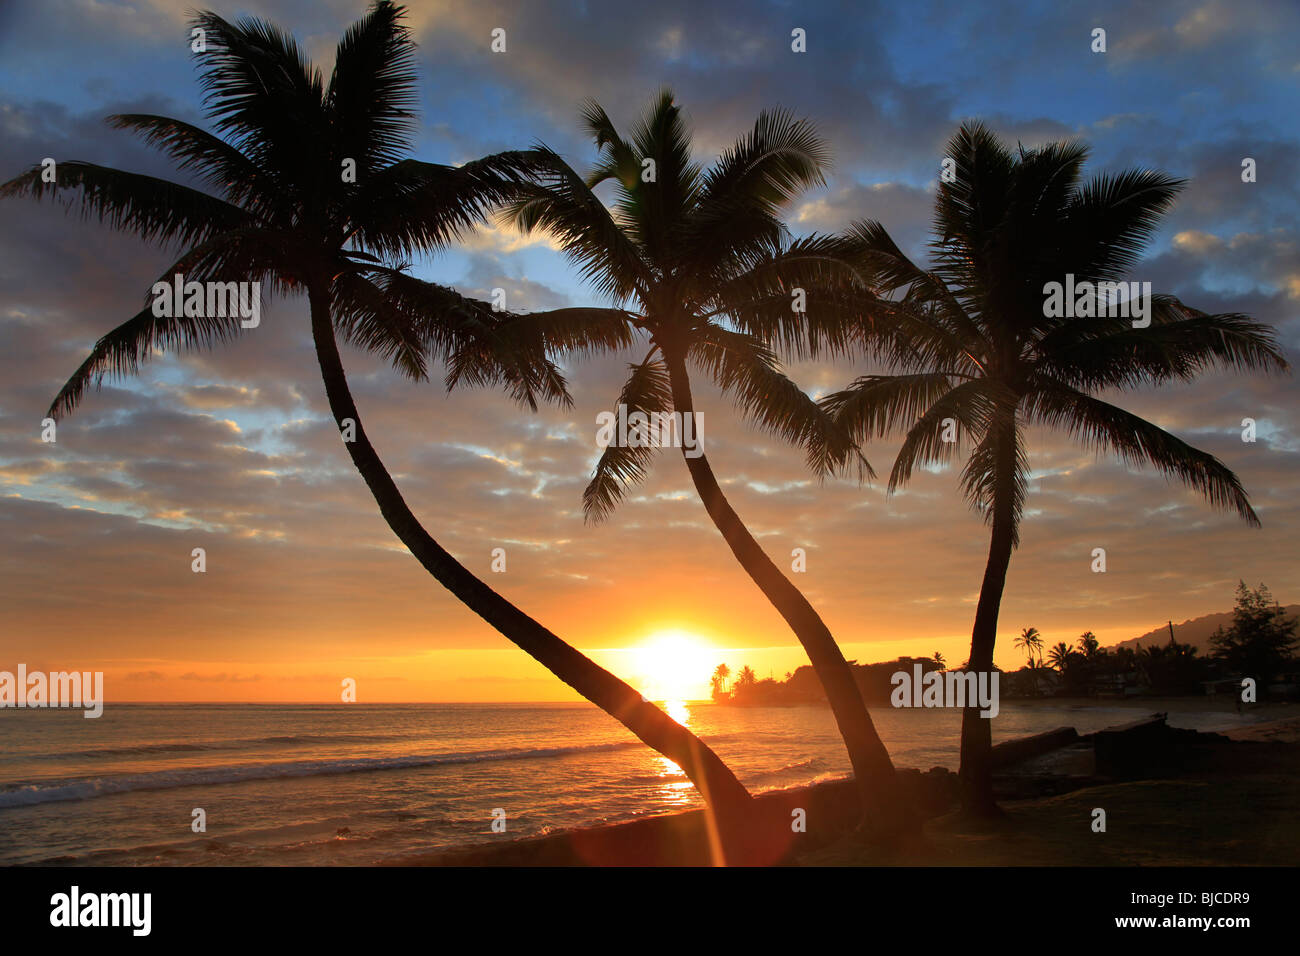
<point>619,160</point>
<point>761,299</point>
<point>121,352</point>
<point>748,372</point>
<point>648,391</point>
<point>1179,344</point>
<point>374,321</point>
<point>245,254</point>
<point>467,335</point>
<point>1046,180</point>
<point>371,94</point>
<point>971,405</point>
<point>1105,427</point>
<point>887,268</point>
<point>654,210</point>
<point>971,206</point>
<point>413,206</point>
<point>578,331</point>
<point>238,179</point>
<point>771,165</point>
<point>873,406</point>
<point>260,88</point>
<point>563,205</point>
<point>998,468</point>
<point>1111,220</point>
<point>153,209</point>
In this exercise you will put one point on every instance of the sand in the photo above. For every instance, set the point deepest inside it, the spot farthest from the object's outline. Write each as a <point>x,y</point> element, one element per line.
<point>1286,731</point>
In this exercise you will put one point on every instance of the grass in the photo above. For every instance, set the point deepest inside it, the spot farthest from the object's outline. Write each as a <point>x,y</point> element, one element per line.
<point>1191,821</point>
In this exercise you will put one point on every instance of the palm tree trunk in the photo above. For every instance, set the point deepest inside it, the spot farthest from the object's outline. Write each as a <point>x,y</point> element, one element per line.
<point>715,781</point>
<point>976,733</point>
<point>872,767</point>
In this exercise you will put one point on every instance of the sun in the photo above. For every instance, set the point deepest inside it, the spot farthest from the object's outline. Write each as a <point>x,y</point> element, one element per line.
<point>674,666</point>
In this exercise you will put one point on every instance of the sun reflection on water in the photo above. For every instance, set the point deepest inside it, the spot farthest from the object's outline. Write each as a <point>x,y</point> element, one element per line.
<point>678,711</point>
<point>675,788</point>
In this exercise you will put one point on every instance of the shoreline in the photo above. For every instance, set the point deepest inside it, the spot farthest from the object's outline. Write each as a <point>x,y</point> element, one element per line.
<point>682,838</point>
<point>1208,704</point>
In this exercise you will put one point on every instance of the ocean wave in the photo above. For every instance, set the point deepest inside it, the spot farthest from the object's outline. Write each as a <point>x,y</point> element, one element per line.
<point>23,795</point>
<point>787,768</point>
<point>237,743</point>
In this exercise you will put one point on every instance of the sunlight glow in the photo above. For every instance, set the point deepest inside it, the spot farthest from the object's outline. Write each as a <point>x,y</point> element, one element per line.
<point>674,666</point>
<point>675,789</point>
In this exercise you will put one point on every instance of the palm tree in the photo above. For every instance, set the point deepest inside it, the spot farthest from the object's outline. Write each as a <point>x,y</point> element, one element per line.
<point>1088,644</point>
<point>746,677</point>
<point>975,349</point>
<point>684,251</point>
<point>720,674</point>
<point>1060,656</point>
<point>283,214</point>
<point>939,659</point>
<point>1035,667</point>
<point>1031,642</point>
<point>1170,668</point>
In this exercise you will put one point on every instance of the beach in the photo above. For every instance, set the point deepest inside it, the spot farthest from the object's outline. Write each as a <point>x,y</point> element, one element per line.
<point>1236,810</point>
<point>326,784</point>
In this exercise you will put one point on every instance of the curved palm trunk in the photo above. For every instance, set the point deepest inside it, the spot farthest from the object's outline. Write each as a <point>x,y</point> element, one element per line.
<point>715,781</point>
<point>872,767</point>
<point>976,733</point>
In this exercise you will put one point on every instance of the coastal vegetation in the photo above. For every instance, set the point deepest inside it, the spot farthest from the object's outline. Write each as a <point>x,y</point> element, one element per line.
<point>1260,644</point>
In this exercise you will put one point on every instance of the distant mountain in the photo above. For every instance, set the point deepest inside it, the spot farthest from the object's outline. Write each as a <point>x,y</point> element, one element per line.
<point>1197,631</point>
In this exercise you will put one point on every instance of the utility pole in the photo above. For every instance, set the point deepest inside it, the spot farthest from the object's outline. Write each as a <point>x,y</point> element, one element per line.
<point>1172,642</point>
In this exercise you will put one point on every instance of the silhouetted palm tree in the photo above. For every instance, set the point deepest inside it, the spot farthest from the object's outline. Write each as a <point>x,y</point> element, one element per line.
<point>1088,644</point>
<point>939,659</point>
<point>1031,642</point>
<point>720,674</point>
<point>283,213</point>
<point>977,356</point>
<point>1170,668</point>
<point>1059,656</point>
<point>1036,669</point>
<point>688,256</point>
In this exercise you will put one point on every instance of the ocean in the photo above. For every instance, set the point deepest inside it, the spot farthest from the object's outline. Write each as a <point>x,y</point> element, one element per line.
<point>360,784</point>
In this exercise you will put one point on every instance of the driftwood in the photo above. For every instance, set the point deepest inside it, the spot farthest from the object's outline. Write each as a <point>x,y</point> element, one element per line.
<point>1026,748</point>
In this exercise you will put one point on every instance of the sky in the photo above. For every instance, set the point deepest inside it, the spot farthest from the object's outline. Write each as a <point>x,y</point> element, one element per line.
<point>234,451</point>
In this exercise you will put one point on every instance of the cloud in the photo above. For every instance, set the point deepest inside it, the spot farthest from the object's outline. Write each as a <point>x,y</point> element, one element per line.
<point>903,210</point>
<point>235,451</point>
<point>503,240</point>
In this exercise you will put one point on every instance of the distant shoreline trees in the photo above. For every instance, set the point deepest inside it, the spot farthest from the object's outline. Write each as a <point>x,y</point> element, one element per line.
<point>1261,643</point>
